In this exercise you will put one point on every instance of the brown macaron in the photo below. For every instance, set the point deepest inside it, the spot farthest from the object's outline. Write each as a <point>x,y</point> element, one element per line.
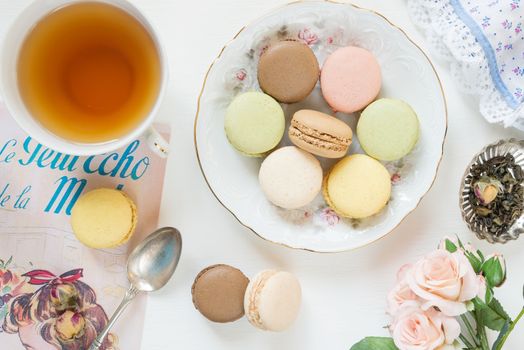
<point>320,134</point>
<point>288,71</point>
<point>218,293</point>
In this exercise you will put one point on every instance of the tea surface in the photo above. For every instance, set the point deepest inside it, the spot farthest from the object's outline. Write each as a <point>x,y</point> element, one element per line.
<point>89,72</point>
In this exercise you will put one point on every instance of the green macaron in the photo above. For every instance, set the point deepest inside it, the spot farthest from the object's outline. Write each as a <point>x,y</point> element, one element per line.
<point>254,123</point>
<point>388,129</point>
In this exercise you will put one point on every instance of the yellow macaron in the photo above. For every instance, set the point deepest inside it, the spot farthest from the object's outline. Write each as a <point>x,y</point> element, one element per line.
<point>104,218</point>
<point>357,187</point>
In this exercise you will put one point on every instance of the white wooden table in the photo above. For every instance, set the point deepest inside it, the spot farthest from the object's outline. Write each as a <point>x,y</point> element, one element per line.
<point>344,294</point>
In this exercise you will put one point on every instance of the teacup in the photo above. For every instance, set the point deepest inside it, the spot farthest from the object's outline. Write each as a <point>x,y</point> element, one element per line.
<point>20,100</point>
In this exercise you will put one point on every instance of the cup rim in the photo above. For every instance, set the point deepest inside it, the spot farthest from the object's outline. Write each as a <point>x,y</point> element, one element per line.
<point>62,145</point>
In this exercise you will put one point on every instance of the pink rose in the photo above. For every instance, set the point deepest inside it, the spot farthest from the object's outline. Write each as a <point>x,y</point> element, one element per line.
<point>330,216</point>
<point>401,293</point>
<point>395,178</point>
<point>416,329</point>
<point>241,74</point>
<point>11,285</point>
<point>444,280</point>
<point>307,36</point>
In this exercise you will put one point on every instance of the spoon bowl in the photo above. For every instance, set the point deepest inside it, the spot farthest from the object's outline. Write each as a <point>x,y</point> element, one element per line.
<point>153,261</point>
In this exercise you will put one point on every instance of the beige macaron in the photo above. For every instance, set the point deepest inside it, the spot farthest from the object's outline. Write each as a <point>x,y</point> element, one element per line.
<point>320,134</point>
<point>104,218</point>
<point>272,300</point>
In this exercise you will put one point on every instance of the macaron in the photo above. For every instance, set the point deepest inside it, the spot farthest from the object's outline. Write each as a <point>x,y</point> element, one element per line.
<point>388,129</point>
<point>218,293</point>
<point>254,123</point>
<point>350,79</point>
<point>288,70</point>
<point>357,187</point>
<point>320,134</point>
<point>290,177</point>
<point>272,300</point>
<point>104,218</point>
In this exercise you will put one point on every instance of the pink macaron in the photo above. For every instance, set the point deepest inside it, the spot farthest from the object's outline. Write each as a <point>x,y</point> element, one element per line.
<point>350,79</point>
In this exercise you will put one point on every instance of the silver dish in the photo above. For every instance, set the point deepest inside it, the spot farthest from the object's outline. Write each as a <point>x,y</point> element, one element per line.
<point>500,148</point>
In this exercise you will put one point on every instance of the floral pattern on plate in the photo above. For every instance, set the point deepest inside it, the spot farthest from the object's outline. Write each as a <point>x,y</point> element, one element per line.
<point>324,26</point>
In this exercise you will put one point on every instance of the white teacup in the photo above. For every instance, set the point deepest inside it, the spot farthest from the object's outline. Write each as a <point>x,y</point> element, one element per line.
<point>9,84</point>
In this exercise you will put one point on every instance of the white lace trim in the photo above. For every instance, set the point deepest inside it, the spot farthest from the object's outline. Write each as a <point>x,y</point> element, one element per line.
<point>452,41</point>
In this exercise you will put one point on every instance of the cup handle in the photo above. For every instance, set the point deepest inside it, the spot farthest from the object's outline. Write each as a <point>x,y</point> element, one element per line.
<point>157,143</point>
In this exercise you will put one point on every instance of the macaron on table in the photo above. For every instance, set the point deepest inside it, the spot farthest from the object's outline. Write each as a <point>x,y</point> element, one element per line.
<point>218,293</point>
<point>271,301</point>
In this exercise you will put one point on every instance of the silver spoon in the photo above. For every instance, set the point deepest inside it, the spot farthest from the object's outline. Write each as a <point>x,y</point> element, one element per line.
<point>149,268</point>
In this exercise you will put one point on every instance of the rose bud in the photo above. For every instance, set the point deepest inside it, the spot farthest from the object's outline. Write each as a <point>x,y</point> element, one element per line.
<point>487,189</point>
<point>70,325</point>
<point>494,269</point>
<point>64,297</point>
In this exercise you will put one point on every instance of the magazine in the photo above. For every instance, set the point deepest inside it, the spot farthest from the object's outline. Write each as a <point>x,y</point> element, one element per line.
<point>54,290</point>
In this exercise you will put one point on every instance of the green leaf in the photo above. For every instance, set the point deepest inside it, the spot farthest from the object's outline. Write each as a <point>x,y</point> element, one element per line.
<point>478,303</point>
<point>450,246</point>
<point>481,255</point>
<point>493,315</point>
<point>461,245</point>
<point>496,306</point>
<point>489,294</point>
<point>5,264</point>
<point>502,333</point>
<point>475,262</point>
<point>375,343</point>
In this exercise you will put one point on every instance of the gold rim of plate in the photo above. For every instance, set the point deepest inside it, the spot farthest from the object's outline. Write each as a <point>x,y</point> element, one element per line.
<point>501,148</point>
<point>220,55</point>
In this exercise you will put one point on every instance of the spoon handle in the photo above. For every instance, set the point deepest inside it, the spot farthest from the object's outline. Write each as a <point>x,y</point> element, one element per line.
<point>130,295</point>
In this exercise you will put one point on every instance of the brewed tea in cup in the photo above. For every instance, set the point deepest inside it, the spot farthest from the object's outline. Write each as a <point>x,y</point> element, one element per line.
<point>89,75</point>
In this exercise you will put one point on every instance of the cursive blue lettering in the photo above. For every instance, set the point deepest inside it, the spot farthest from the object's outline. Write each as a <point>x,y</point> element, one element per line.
<point>124,165</point>
<point>45,156</point>
<point>32,154</point>
<point>137,172</point>
<point>126,158</point>
<point>66,196</point>
<point>87,165</point>
<point>22,201</point>
<point>62,162</point>
<point>7,158</point>
<point>4,197</point>
<point>102,168</point>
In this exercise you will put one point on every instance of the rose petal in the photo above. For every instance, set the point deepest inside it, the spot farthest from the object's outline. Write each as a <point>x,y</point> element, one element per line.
<point>448,308</point>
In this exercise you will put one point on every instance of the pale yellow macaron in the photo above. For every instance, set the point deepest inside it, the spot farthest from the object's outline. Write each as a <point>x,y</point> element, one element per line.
<point>357,187</point>
<point>104,218</point>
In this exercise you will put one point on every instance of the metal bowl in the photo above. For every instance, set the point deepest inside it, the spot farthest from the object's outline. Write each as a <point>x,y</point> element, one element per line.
<point>500,148</point>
